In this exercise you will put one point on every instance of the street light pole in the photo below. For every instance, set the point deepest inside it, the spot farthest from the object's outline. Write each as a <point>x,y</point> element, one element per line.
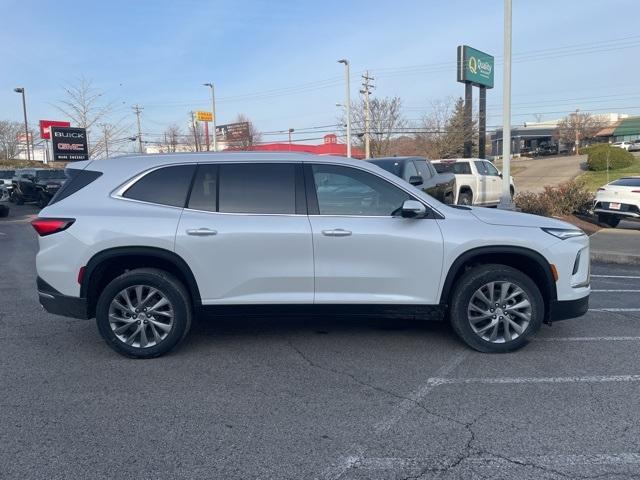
<point>506,203</point>
<point>26,124</point>
<point>347,103</point>
<point>213,112</point>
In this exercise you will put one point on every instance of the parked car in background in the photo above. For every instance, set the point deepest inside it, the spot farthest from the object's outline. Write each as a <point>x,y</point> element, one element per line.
<point>6,177</point>
<point>4,201</point>
<point>618,200</point>
<point>36,185</point>
<point>478,181</point>
<point>635,146</point>
<point>624,145</point>
<point>144,244</point>
<point>419,172</point>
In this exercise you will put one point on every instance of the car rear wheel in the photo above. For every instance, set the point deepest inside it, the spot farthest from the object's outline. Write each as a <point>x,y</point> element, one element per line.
<point>610,220</point>
<point>496,308</point>
<point>144,313</point>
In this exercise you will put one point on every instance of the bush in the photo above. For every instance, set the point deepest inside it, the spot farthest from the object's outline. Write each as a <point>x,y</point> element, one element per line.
<point>597,157</point>
<point>565,199</point>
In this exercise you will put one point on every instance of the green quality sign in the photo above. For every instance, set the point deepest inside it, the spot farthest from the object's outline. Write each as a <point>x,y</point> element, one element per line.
<point>475,67</point>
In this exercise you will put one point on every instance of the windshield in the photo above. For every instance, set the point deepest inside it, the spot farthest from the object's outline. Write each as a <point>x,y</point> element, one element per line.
<point>453,167</point>
<point>391,166</point>
<point>50,174</point>
<point>627,182</point>
<point>6,174</point>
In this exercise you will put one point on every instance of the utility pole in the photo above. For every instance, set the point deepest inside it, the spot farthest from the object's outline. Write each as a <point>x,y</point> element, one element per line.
<point>138,109</point>
<point>366,86</point>
<point>505,200</point>
<point>213,112</point>
<point>347,100</point>
<point>26,124</point>
<point>195,131</point>
<point>106,139</point>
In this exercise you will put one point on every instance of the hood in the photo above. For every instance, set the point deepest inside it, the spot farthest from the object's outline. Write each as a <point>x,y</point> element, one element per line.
<point>494,216</point>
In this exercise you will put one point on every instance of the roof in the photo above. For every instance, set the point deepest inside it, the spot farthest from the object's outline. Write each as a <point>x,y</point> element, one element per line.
<point>628,126</point>
<point>397,159</point>
<point>327,148</point>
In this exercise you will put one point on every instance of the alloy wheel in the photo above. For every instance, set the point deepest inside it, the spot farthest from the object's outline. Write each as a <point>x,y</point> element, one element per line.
<point>499,312</point>
<point>141,316</point>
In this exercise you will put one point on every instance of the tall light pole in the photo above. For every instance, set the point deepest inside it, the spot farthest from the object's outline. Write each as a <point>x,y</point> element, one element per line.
<point>213,112</point>
<point>347,102</point>
<point>26,124</point>
<point>506,203</point>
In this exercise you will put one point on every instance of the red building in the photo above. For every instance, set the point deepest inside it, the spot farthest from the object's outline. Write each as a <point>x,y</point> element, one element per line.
<point>330,146</point>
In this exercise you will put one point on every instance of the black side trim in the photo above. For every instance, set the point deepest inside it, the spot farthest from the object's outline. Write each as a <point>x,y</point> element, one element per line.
<point>58,304</point>
<point>301,198</point>
<point>565,309</point>
<point>426,312</point>
<point>167,255</point>
<point>498,249</point>
<point>310,187</point>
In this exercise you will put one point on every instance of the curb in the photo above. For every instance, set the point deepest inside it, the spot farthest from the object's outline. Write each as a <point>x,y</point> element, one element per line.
<point>619,258</point>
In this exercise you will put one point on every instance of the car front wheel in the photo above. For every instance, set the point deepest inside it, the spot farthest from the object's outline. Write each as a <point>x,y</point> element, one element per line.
<point>144,313</point>
<point>496,308</point>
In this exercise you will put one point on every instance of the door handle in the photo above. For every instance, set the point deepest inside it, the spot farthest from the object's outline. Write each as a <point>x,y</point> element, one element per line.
<point>201,232</point>
<point>337,232</point>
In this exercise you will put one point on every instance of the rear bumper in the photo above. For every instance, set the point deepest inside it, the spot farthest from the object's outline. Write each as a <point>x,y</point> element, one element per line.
<point>565,309</point>
<point>58,304</point>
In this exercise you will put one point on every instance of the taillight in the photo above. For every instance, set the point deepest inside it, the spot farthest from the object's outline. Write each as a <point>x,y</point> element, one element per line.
<point>48,226</point>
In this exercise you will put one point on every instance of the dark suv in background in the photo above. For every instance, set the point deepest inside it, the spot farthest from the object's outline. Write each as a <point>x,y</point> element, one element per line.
<point>419,172</point>
<point>36,185</point>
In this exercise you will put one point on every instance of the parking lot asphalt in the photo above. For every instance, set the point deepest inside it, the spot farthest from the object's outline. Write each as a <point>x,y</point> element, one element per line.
<point>325,398</point>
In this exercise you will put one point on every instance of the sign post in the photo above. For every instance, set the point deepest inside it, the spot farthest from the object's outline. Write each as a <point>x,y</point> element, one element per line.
<point>475,68</point>
<point>69,144</point>
<point>206,117</point>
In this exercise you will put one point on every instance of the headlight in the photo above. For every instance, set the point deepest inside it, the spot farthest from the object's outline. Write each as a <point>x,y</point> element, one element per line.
<point>564,233</point>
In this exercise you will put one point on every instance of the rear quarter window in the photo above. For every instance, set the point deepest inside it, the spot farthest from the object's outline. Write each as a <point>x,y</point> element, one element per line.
<point>75,181</point>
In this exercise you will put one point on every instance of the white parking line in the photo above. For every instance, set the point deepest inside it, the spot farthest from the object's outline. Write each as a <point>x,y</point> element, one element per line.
<point>616,276</point>
<point>602,291</point>
<point>614,309</point>
<point>560,460</point>
<point>588,339</point>
<point>435,381</point>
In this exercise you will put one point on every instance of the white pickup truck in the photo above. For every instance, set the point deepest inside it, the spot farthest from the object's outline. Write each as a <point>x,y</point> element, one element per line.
<point>478,181</point>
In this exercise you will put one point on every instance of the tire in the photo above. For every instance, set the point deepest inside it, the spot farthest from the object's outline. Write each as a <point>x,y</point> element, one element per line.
<point>465,295</point>
<point>42,201</point>
<point>610,220</point>
<point>4,211</point>
<point>465,198</point>
<point>19,200</point>
<point>174,316</point>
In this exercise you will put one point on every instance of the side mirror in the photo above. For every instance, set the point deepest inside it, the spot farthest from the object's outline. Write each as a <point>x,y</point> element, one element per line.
<point>415,180</point>
<point>413,209</point>
<point>500,174</point>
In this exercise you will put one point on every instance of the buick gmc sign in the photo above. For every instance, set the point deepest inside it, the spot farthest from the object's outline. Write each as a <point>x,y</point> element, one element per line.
<point>69,144</point>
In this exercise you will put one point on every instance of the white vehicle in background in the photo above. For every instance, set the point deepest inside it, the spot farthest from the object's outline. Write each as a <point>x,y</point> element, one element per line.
<point>618,200</point>
<point>635,146</point>
<point>478,181</point>
<point>628,146</point>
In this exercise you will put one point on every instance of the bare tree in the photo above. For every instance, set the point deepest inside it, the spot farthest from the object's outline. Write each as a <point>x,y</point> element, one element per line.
<point>10,134</point>
<point>86,107</point>
<point>575,129</point>
<point>445,130</point>
<point>172,137</point>
<point>386,122</point>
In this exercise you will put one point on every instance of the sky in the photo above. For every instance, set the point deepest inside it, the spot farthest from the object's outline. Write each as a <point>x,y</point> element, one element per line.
<point>276,60</point>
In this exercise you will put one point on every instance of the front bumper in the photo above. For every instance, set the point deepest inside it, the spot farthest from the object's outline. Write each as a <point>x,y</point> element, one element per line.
<point>565,309</point>
<point>58,304</point>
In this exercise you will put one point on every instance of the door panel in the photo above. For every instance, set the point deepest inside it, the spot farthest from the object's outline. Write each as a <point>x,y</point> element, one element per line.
<point>363,253</point>
<point>249,258</point>
<point>253,246</point>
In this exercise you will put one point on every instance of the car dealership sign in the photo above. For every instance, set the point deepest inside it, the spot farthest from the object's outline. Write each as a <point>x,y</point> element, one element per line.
<point>45,127</point>
<point>69,144</point>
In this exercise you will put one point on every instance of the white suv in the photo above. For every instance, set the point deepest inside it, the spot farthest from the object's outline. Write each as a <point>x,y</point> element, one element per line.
<point>144,243</point>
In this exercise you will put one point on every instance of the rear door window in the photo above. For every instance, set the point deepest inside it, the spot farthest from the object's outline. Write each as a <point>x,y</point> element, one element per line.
<point>164,186</point>
<point>423,169</point>
<point>481,167</point>
<point>458,168</point>
<point>267,188</point>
